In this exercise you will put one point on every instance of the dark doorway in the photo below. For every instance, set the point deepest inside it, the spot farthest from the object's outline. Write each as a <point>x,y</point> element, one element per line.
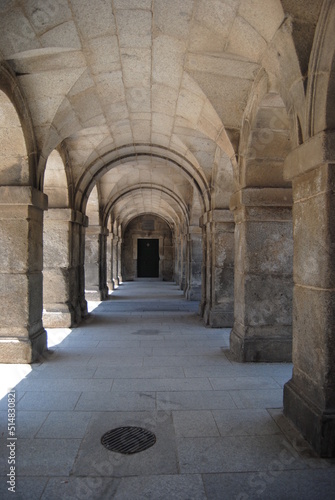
<point>147,258</point>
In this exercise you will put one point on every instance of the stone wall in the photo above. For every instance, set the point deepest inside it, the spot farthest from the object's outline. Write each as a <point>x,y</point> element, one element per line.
<point>147,226</point>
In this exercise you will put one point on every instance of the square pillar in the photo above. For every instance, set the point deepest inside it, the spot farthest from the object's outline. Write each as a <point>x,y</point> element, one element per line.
<point>218,286</point>
<point>176,248</point>
<point>96,262</point>
<point>115,262</point>
<point>263,275</point>
<point>194,263</point>
<point>110,282</point>
<point>79,244</point>
<point>60,271</point>
<point>103,263</point>
<point>119,256</point>
<point>22,336</point>
<point>309,397</point>
<point>183,252</point>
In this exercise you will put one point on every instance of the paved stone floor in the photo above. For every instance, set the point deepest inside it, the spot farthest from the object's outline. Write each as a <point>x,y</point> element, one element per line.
<point>144,358</point>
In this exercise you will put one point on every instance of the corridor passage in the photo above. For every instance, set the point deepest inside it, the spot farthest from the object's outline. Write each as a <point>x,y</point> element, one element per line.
<point>144,358</point>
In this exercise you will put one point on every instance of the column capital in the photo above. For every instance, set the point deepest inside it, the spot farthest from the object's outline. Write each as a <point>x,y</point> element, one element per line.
<point>97,230</point>
<point>67,214</point>
<point>194,230</point>
<point>313,153</point>
<point>261,197</point>
<point>23,195</point>
<point>217,215</point>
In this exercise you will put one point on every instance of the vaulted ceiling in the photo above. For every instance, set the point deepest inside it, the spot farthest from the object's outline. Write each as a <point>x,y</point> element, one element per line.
<point>145,97</point>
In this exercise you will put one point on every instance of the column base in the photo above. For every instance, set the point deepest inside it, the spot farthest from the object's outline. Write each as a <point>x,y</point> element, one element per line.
<point>59,316</point>
<point>193,293</point>
<point>23,350</point>
<point>218,318</point>
<point>317,426</point>
<point>104,293</point>
<point>257,349</point>
<point>93,295</point>
<point>83,309</point>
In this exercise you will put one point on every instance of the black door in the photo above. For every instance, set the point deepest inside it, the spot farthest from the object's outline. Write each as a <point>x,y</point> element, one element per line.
<point>147,258</point>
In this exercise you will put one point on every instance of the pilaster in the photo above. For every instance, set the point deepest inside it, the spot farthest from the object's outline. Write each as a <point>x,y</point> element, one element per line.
<point>194,263</point>
<point>22,336</point>
<point>61,303</point>
<point>309,397</point>
<point>218,268</point>
<point>263,275</point>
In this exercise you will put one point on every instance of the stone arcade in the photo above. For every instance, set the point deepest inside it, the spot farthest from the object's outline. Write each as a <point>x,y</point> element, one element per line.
<point>207,126</point>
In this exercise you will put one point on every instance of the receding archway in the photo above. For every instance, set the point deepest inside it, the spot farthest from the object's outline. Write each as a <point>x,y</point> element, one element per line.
<point>147,249</point>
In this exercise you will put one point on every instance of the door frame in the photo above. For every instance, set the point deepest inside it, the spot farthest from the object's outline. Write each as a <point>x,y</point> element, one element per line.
<point>160,253</point>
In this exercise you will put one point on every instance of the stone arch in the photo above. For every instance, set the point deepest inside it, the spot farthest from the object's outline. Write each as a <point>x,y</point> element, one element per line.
<point>14,169</point>
<point>92,247</point>
<point>266,138</point>
<point>18,150</point>
<point>114,158</point>
<point>128,193</point>
<point>56,182</point>
<point>321,84</point>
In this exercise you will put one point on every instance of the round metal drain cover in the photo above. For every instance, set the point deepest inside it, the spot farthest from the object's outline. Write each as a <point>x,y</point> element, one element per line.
<point>146,332</point>
<point>128,440</point>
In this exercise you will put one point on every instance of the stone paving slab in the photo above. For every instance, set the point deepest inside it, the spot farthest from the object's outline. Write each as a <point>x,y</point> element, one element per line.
<point>28,423</point>
<point>26,488</point>
<point>179,487</point>
<point>93,488</point>
<point>236,454</point>
<point>258,398</point>
<point>185,361</point>
<point>240,383</point>
<point>194,400</point>
<point>68,384</point>
<point>50,371</point>
<point>272,484</point>
<point>65,424</point>
<point>116,401</point>
<point>43,457</point>
<point>162,384</point>
<point>195,424</point>
<point>139,372</point>
<point>245,422</point>
<point>48,400</point>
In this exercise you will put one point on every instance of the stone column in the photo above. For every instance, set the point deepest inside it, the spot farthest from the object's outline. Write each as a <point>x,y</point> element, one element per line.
<point>119,260</point>
<point>176,247</point>
<point>110,283</point>
<point>115,262</point>
<point>103,288</point>
<point>194,263</point>
<point>183,261</point>
<point>61,258</point>
<point>92,261</point>
<point>79,245</point>
<point>206,291</point>
<point>218,277</point>
<point>96,263</point>
<point>263,275</point>
<point>309,397</point>
<point>22,336</point>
